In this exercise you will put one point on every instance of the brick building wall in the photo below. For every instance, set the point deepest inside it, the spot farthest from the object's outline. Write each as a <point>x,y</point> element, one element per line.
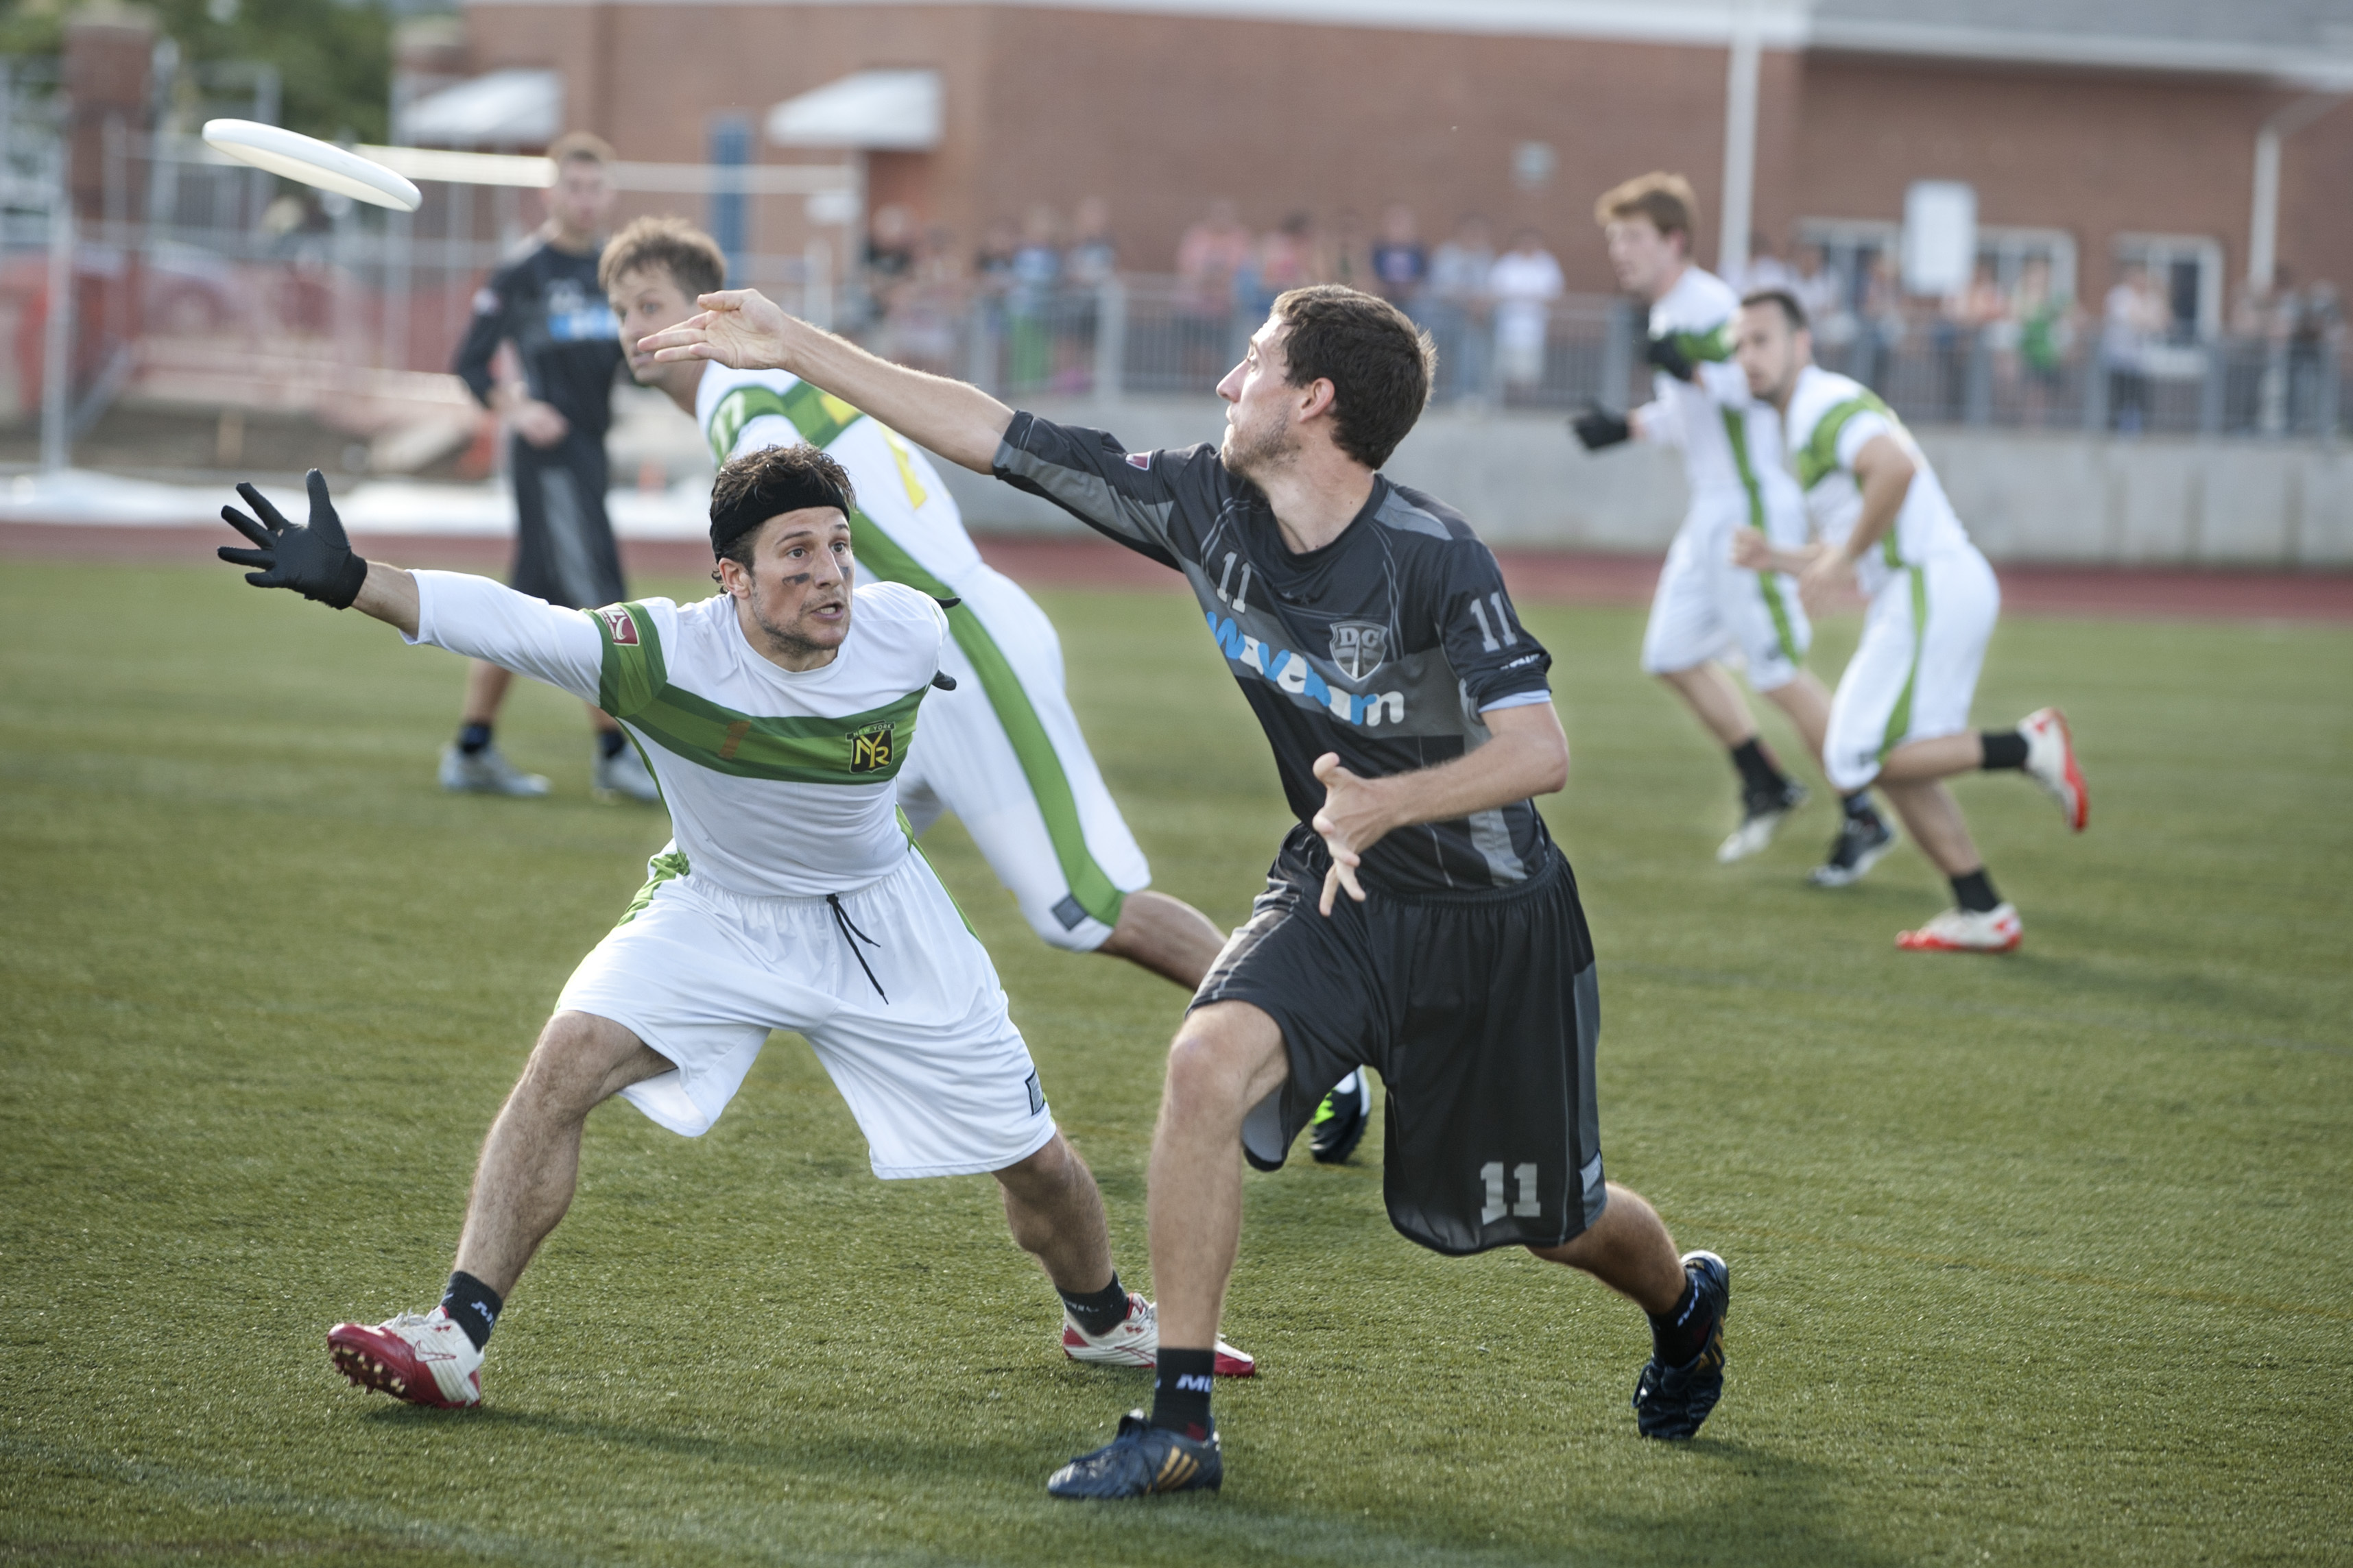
<point>1161,114</point>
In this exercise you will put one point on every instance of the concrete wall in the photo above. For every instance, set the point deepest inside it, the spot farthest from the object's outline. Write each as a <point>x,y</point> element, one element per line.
<point>2025,496</point>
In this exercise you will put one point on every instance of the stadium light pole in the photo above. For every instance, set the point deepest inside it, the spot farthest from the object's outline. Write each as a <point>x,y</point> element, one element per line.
<point>2262,229</point>
<point>57,328</point>
<point>1740,89</point>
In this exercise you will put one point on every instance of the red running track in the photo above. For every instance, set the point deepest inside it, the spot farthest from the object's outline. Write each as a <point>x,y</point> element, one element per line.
<point>1537,576</point>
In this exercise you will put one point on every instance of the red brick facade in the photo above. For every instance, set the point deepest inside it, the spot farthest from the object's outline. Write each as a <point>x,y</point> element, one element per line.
<point>1162,114</point>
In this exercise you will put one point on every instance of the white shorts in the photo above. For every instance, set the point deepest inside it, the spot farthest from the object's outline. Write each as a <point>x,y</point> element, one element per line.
<point>1916,670</point>
<point>937,1076</point>
<point>1705,607</point>
<point>1003,752</point>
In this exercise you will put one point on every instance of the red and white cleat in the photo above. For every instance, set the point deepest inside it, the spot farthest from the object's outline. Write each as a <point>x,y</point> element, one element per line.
<point>1998,929</point>
<point>423,1359</point>
<point>1137,1342</point>
<point>2051,763</point>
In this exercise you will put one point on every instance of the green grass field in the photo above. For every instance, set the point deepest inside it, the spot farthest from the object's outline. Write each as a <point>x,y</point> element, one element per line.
<point>2036,1259</point>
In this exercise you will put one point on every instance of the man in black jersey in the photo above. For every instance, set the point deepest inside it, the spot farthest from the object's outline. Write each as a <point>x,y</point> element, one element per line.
<point>1419,920</point>
<point>549,305</point>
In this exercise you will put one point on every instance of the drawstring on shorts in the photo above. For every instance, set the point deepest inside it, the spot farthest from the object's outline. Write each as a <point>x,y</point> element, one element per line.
<point>853,936</point>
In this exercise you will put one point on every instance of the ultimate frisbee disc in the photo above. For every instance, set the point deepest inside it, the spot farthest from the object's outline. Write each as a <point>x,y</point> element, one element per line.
<point>312,162</point>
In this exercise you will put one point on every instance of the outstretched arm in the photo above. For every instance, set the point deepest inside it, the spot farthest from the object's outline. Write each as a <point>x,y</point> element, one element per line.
<point>743,328</point>
<point>318,561</point>
<point>1528,756</point>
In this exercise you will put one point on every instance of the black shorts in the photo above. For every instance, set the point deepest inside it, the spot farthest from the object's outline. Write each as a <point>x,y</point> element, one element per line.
<point>1478,1011</point>
<point>563,542</point>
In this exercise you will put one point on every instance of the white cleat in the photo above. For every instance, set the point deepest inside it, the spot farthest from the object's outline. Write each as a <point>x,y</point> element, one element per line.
<point>1761,817</point>
<point>1137,1342</point>
<point>1997,930</point>
<point>2051,763</point>
<point>487,772</point>
<point>623,776</point>
<point>424,1359</point>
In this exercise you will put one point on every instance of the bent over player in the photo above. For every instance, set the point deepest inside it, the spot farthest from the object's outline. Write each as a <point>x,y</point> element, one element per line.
<point>1901,716</point>
<point>1707,606</point>
<point>1411,723</point>
<point>776,715</point>
<point>1002,751</point>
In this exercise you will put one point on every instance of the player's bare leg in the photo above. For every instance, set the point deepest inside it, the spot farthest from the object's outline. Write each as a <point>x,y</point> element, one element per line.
<point>1167,936</point>
<point>1226,1058</point>
<point>1708,690</point>
<point>531,1160</point>
<point>523,1184</point>
<point>1807,701</point>
<point>1628,1249</point>
<point>1056,1213</point>
<point>1981,921</point>
<point>1929,810</point>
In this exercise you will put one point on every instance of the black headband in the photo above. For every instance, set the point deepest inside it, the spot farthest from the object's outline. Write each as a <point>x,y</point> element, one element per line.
<point>775,495</point>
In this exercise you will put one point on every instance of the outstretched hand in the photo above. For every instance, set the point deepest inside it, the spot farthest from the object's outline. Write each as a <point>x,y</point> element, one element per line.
<point>741,328</point>
<point>1350,822</point>
<point>315,561</point>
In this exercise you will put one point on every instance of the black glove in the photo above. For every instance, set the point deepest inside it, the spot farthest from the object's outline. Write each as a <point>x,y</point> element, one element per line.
<point>1668,356</point>
<point>315,561</point>
<point>1598,427</point>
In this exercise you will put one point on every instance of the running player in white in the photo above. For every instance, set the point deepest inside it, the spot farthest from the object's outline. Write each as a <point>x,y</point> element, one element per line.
<point>1901,716</point>
<point>776,716</point>
<point>1707,607</point>
<point>1002,752</point>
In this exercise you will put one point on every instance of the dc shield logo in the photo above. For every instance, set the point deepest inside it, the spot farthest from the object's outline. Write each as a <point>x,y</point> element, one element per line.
<point>1359,647</point>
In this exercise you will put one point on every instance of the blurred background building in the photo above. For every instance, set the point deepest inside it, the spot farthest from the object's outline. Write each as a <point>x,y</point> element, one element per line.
<point>2113,218</point>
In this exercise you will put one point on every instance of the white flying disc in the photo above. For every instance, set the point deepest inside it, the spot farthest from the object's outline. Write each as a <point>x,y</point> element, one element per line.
<point>312,162</point>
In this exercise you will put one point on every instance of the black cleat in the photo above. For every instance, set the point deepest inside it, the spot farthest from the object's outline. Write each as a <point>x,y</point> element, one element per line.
<point>1340,1121</point>
<point>1143,1460</point>
<point>1761,812</point>
<point>1862,843</point>
<point>1670,1402</point>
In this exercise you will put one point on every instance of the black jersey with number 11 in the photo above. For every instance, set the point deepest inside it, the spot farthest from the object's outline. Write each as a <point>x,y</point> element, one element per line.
<point>1384,646</point>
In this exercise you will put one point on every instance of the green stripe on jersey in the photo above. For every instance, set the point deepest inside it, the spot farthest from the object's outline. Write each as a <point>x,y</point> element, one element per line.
<point>1710,347</point>
<point>1735,429</point>
<point>855,749</point>
<point>659,869</point>
<point>1818,459</point>
<point>821,420</point>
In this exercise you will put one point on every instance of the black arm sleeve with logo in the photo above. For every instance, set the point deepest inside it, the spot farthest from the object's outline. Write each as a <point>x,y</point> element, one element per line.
<point>1133,497</point>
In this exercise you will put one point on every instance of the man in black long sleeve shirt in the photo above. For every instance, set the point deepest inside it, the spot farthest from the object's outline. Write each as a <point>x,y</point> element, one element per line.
<point>549,305</point>
<point>1419,919</point>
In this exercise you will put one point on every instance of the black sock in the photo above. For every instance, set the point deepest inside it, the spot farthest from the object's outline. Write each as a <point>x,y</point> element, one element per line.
<point>2003,749</point>
<point>1858,805</point>
<point>609,743</point>
<point>1974,893</point>
<point>1681,1333</point>
<point>1180,1392</point>
<point>1100,1311</point>
<point>472,1305</point>
<point>1757,773</point>
<point>472,738</point>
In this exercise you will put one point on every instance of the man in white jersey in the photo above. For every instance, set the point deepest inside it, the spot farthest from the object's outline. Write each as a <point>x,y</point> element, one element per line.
<point>776,715</point>
<point>1900,715</point>
<point>1706,606</point>
<point>1003,751</point>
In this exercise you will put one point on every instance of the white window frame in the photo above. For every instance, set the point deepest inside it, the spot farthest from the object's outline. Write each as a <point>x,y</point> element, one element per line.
<point>2009,246</point>
<point>2159,252</point>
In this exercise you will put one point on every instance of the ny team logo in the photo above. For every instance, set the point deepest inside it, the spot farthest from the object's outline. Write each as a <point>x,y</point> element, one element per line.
<point>1359,647</point>
<point>870,749</point>
<point>620,623</point>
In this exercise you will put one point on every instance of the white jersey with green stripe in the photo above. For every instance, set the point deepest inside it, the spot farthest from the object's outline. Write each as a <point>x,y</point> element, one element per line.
<point>780,782</point>
<point>1731,441</point>
<point>1832,418</point>
<point>907,529</point>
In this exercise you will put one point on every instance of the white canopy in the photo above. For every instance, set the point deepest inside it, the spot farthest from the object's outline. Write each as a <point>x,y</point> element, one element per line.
<point>505,108</point>
<point>871,111</point>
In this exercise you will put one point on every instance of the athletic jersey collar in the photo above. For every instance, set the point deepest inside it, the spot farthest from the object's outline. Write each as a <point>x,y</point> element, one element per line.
<point>1303,563</point>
